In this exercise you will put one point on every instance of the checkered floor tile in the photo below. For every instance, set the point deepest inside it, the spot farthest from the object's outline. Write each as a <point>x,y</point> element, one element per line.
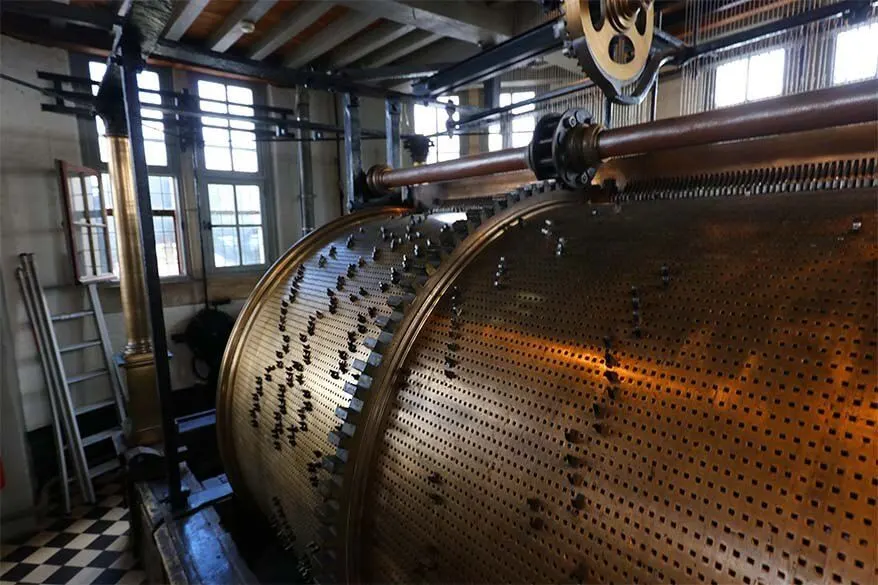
<point>88,546</point>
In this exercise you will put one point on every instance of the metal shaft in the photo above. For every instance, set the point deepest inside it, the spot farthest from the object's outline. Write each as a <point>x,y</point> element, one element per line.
<point>513,159</point>
<point>825,108</point>
<point>837,106</point>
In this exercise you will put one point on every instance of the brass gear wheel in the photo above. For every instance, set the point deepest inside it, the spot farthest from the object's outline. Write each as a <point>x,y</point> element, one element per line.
<point>611,39</point>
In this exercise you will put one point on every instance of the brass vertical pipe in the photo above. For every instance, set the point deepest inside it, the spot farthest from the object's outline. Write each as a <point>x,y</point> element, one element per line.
<point>143,407</point>
<point>131,277</point>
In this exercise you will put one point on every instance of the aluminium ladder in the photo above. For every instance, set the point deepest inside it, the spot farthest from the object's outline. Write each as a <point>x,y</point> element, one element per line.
<point>65,414</point>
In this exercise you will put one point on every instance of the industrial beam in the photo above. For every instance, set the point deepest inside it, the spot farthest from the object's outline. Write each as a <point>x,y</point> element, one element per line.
<point>334,34</point>
<point>186,14</point>
<point>230,31</point>
<point>399,49</point>
<point>366,43</point>
<point>465,21</point>
<point>302,16</point>
<point>392,72</point>
<point>494,60</point>
<point>89,17</point>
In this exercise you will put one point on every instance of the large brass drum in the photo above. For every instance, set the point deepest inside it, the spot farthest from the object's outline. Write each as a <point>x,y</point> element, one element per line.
<point>673,391</point>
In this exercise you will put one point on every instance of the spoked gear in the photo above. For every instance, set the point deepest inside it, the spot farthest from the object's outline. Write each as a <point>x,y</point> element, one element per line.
<point>611,39</point>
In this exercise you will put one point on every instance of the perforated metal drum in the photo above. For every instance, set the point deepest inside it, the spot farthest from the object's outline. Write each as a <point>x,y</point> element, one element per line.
<point>659,392</point>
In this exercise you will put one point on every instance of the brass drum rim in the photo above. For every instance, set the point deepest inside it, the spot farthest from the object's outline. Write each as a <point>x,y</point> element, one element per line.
<point>363,453</point>
<point>304,248</point>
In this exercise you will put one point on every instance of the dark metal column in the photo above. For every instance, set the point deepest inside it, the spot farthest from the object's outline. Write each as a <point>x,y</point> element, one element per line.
<point>653,101</point>
<point>392,110</point>
<point>131,63</point>
<point>352,149</point>
<point>491,89</point>
<point>490,100</point>
<point>306,171</point>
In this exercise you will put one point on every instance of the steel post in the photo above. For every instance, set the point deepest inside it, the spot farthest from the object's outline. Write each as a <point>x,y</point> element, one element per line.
<point>352,149</point>
<point>392,109</point>
<point>306,171</point>
<point>131,64</point>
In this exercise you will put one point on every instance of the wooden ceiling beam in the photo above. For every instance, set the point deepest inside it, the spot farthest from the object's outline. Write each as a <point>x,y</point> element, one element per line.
<point>398,49</point>
<point>334,34</point>
<point>297,20</point>
<point>230,31</point>
<point>186,14</point>
<point>366,43</point>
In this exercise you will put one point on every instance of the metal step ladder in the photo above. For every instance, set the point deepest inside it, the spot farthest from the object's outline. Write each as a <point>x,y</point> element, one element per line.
<point>66,415</point>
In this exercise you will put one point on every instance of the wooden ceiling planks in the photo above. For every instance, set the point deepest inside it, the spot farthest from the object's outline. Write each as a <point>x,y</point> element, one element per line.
<point>266,23</point>
<point>210,19</point>
<point>331,16</point>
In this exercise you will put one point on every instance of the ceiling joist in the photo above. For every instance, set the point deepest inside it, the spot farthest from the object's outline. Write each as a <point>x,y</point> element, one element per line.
<point>186,14</point>
<point>396,50</point>
<point>366,43</point>
<point>297,20</point>
<point>334,34</point>
<point>470,22</point>
<point>232,28</point>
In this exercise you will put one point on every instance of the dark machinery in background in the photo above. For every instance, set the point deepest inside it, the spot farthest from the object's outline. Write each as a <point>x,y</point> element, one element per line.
<point>669,378</point>
<point>206,336</point>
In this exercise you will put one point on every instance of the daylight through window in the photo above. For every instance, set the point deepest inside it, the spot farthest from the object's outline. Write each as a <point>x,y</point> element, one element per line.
<point>431,120</point>
<point>750,78</point>
<point>856,54</point>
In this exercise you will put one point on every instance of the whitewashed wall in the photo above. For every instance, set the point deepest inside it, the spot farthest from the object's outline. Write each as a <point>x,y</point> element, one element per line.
<point>31,217</point>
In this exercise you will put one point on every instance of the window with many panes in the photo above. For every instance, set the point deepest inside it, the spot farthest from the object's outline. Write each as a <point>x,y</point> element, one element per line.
<point>431,121</point>
<point>856,54</point>
<point>750,78</point>
<point>232,173</point>
<point>162,172</point>
<point>521,125</point>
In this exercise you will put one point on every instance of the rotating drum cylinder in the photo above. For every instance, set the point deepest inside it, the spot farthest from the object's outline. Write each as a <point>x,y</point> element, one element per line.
<point>300,354</point>
<point>659,392</point>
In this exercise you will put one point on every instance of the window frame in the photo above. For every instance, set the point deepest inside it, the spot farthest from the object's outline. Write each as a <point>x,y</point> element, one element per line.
<point>748,57</point>
<point>441,118</point>
<point>833,57</point>
<point>262,179</point>
<point>504,127</point>
<point>91,156</point>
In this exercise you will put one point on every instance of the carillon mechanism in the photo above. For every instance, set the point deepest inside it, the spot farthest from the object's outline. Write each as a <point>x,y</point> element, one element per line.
<point>665,378</point>
<point>611,40</point>
<point>571,381</point>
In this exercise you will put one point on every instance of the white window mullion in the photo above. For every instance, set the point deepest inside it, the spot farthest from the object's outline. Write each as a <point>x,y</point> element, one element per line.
<point>231,166</point>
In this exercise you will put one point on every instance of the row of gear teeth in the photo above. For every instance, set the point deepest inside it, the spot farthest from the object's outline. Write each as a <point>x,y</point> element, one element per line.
<point>343,436</point>
<point>563,31</point>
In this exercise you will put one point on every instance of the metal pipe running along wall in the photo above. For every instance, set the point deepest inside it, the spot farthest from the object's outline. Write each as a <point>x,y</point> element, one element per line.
<point>837,106</point>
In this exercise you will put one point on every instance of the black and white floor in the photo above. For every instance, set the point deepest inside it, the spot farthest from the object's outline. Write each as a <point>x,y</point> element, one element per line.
<point>88,546</point>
